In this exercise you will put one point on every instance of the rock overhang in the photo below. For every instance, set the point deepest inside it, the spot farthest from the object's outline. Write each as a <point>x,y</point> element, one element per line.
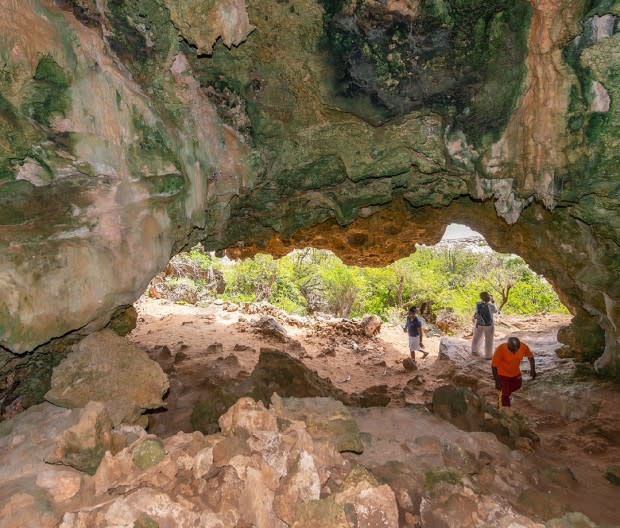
<point>257,143</point>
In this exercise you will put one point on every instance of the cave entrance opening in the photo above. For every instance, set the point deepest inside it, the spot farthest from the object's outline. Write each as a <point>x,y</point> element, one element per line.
<point>443,280</point>
<point>215,321</point>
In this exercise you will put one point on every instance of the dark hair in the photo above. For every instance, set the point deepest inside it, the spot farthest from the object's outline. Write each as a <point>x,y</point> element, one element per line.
<point>412,309</point>
<point>513,344</point>
<point>485,296</point>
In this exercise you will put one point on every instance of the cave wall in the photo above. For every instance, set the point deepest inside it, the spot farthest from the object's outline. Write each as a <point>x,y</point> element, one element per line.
<point>132,129</point>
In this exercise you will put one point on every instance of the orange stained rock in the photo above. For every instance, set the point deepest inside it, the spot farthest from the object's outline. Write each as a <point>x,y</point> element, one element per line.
<point>533,145</point>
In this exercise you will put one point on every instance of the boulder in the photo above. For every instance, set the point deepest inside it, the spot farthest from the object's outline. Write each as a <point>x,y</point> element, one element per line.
<point>108,368</point>
<point>454,349</point>
<point>371,325</point>
<point>459,406</point>
<point>268,326</point>
<point>375,396</point>
<point>249,416</point>
<point>326,419</point>
<point>470,412</point>
<point>409,364</point>
<point>277,371</point>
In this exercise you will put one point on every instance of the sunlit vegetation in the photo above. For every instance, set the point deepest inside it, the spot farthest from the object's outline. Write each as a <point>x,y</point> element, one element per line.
<point>310,280</point>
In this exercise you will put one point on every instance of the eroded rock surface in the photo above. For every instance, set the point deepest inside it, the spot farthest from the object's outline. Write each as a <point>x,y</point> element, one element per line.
<point>258,472</point>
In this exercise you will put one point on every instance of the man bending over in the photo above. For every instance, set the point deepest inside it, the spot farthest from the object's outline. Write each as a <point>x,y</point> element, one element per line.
<point>506,368</point>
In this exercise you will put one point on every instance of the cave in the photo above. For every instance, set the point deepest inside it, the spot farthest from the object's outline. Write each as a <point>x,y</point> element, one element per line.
<point>130,131</point>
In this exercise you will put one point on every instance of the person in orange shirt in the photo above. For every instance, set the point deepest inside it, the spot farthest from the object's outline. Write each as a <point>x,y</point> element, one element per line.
<point>506,368</point>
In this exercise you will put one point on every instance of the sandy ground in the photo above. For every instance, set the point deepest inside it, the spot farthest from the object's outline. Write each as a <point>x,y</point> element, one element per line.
<point>586,444</point>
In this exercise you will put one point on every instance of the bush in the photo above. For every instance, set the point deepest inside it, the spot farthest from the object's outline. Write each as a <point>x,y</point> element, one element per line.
<point>447,279</point>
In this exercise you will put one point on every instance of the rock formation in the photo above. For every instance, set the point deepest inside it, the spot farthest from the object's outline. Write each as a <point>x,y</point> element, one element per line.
<point>129,130</point>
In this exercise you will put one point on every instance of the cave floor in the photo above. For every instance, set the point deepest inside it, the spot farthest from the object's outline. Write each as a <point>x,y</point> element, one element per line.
<point>576,416</point>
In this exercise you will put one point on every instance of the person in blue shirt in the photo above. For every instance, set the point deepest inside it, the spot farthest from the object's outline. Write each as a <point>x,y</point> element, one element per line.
<point>413,326</point>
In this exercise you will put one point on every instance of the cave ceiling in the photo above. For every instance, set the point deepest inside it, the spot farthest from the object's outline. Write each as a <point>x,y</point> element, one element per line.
<point>132,129</point>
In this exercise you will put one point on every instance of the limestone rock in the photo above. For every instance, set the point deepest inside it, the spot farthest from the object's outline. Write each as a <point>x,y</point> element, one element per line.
<point>83,445</point>
<point>277,371</point>
<point>107,368</point>
<point>270,327</point>
<point>566,402</point>
<point>61,484</point>
<point>468,411</point>
<point>248,415</point>
<point>459,406</point>
<point>371,325</point>
<point>366,503</point>
<point>543,505</point>
<point>24,509</point>
<point>454,349</point>
<point>325,418</point>
<point>410,365</point>
<point>301,484</point>
<point>571,520</point>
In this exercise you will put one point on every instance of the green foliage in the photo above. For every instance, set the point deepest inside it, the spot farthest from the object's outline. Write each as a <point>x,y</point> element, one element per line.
<point>311,280</point>
<point>199,256</point>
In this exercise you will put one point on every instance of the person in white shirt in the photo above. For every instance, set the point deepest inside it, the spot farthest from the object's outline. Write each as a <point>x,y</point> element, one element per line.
<point>484,325</point>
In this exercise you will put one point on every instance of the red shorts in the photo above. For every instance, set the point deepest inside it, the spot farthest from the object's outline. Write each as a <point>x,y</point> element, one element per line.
<point>509,385</point>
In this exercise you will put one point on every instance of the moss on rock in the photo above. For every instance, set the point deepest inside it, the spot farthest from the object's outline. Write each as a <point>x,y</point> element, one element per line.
<point>148,453</point>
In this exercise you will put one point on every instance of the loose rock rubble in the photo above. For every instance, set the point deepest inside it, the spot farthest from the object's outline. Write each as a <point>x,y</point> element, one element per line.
<point>261,470</point>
